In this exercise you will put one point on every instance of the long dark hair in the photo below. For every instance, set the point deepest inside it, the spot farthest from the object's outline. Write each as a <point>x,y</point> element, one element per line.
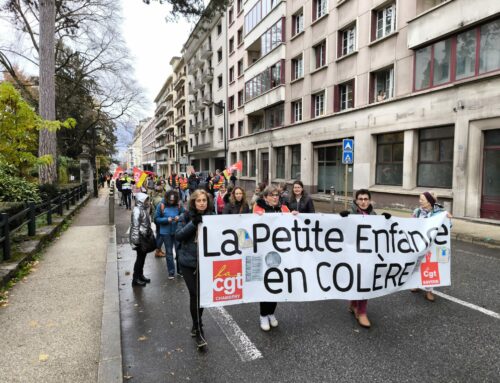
<point>196,194</point>
<point>232,198</point>
<point>298,182</point>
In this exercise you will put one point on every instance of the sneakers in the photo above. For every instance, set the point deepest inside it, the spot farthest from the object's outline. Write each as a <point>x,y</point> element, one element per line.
<point>272,320</point>
<point>171,276</point>
<point>264,323</point>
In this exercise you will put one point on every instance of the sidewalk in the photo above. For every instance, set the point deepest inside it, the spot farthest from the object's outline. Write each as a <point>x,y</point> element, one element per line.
<point>51,327</point>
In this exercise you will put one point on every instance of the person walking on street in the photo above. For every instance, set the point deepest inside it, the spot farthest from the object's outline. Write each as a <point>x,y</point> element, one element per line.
<point>219,199</point>
<point>200,205</point>
<point>140,228</point>
<point>118,183</point>
<point>428,207</point>
<point>269,203</point>
<point>168,213</point>
<point>193,182</point>
<point>299,201</point>
<point>156,198</point>
<point>237,203</point>
<point>173,181</point>
<point>127,191</point>
<point>183,188</point>
<point>361,205</point>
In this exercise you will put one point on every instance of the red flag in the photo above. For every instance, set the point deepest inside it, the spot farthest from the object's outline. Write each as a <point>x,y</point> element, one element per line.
<point>237,166</point>
<point>137,174</point>
<point>117,172</point>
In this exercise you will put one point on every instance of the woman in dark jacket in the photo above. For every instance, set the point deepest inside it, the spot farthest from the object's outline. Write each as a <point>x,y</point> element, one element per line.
<point>299,201</point>
<point>237,202</point>
<point>200,204</point>
<point>269,203</point>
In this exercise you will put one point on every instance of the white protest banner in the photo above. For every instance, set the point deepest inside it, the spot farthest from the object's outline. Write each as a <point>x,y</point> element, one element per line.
<point>307,257</point>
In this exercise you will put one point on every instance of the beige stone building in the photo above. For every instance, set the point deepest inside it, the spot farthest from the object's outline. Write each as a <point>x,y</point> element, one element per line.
<point>415,83</point>
<point>148,133</point>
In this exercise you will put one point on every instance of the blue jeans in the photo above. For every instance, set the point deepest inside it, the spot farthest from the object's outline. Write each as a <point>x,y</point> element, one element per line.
<point>169,241</point>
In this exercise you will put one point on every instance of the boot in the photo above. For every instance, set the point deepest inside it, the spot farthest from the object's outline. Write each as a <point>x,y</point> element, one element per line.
<point>138,282</point>
<point>363,321</point>
<point>200,340</point>
<point>144,279</point>
<point>430,296</point>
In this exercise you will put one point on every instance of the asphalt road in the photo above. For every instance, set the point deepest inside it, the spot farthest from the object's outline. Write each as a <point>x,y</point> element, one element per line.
<point>411,340</point>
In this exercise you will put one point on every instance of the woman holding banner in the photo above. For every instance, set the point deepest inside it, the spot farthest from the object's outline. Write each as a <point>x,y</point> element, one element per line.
<point>428,207</point>
<point>299,201</point>
<point>269,203</point>
<point>200,204</point>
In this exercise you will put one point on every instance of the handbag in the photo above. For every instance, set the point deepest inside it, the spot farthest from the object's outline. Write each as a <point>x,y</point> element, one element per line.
<point>147,242</point>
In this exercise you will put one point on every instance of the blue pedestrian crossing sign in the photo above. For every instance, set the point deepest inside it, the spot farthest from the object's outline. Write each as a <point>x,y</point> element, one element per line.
<point>347,158</point>
<point>347,151</point>
<point>348,145</point>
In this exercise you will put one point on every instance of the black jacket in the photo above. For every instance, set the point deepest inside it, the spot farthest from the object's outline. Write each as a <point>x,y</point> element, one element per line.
<point>186,235</point>
<point>193,183</point>
<point>305,204</point>
<point>229,208</point>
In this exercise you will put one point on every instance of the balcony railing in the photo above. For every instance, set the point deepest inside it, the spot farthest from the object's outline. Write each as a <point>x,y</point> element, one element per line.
<point>206,51</point>
<point>202,146</point>
<point>207,75</point>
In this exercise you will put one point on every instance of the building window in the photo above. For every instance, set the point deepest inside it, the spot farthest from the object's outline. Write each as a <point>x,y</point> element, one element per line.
<point>297,111</point>
<point>298,22</point>
<point>231,45</point>
<point>320,55</point>
<point>297,67</point>
<point>275,116</point>
<point>244,163</point>
<point>231,130</point>
<point>257,13</point>
<point>230,13</point>
<point>231,74</point>
<point>219,81</point>
<point>384,21</point>
<point>318,104</point>
<point>390,159</point>
<point>252,163</point>
<point>221,134</point>
<point>265,81</point>
<point>489,52</point>
<point>230,103</point>
<point>347,39</point>
<point>240,99</point>
<point>219,55</point>
<point>219,29</point>
<point>382,85</point>
<point>435,157</point>
<point>239,6</point>
<point>240,68</point>
<point>240,36</point>
<point>345,97</point>
<point>272,38</point>
<point>280,162</point>
<point>240,128</point>
<point>319,9</point>
<point>473,52</point>
<point>295,163</point>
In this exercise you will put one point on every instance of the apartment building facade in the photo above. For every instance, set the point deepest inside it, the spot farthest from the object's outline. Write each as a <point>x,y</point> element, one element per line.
<point>413,82</point>
<point>206,60</point>
<point>148,134</point>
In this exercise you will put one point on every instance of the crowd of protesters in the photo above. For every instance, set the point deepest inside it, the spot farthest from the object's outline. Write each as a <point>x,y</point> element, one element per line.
<point>178,203</point>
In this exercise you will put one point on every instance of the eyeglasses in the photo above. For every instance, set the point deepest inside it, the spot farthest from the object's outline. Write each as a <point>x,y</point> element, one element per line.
<point>363,199</point>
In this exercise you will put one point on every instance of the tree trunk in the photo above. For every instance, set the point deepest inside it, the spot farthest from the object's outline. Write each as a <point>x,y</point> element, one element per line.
<point>47,90</point>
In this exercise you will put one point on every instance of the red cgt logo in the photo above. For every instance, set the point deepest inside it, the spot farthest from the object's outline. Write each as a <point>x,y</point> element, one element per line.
<point>429,272</point>
<point>227,280</point>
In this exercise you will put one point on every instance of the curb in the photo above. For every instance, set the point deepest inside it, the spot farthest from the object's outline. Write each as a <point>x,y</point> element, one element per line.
<point>110,354</point>
<point>32,247</point>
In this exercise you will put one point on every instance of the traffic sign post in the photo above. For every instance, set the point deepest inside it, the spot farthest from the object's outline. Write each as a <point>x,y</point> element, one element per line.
<point>347,159</point>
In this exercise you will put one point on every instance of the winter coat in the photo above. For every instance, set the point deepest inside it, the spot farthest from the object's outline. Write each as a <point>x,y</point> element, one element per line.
<point>262,206</point>
<point>140,220</point>
<point>422,213</point>
<point>193,182</point>
<point>186,234</point>
<point>235,208</point>
<point>161,218</point>
<point>356,210</point>
<point>305,204</point>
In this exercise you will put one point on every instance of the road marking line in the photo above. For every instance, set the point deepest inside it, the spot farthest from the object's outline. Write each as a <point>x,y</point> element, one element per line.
<point>235,335</point>
<point>467,304</point>
<point>478,255</point>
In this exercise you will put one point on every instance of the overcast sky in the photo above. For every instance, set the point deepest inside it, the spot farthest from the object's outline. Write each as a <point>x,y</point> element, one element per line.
<point>152,42</point>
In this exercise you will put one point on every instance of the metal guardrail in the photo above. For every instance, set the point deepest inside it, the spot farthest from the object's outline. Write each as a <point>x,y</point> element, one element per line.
<point>27,217</point>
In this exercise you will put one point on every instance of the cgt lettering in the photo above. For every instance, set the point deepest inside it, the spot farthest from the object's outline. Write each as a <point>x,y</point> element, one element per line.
<point>229,285</point>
